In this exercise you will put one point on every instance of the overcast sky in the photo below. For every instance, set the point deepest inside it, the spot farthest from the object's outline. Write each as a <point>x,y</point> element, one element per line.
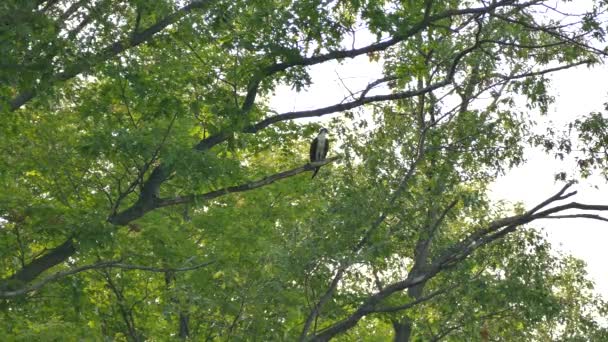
<point>578,92</point>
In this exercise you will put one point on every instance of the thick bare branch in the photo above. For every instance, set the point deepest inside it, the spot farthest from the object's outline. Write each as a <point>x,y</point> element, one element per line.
<point>151,202</point>
<point>559,195</point>
<point>55,256</point>
<point>245,187</point>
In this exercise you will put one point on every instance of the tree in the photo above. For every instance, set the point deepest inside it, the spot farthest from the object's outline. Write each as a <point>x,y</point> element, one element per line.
<point>149,186</point>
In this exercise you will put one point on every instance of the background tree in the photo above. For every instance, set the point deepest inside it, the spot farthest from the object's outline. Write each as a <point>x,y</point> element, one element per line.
<point>151,191</point>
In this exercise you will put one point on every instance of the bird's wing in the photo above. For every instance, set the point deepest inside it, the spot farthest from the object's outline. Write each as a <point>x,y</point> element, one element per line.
<point>313,148</point>
<point>326,148</point>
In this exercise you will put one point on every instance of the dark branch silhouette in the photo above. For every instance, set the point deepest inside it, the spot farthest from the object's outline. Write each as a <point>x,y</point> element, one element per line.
<point>459,251</point>
<point>151,202</point>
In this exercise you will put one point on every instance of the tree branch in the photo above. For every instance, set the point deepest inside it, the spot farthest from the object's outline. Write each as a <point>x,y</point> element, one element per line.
<point>396,194</point>
<point>151,202</point>
<point>362,100</point>
<point>559,195</point>
<point>43,263</point>
<point>148,200</point>
<point>589,216</point>
<point>417,301</point>
<point>270,70</point>
<point>104,264</point>
<point>164,202</point>
<point>459,251</point>
<point>552,32</point>
<point>376,47</point>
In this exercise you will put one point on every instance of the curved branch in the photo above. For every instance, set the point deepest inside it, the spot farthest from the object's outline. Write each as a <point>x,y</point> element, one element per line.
<point>104,264</point>
<point>148,200</point>
<point>381,46</point>
<point>364,100</point>
<point>67,249</point>
<point>86,62</point>
<point>287,116</point>
<point>270,70</point>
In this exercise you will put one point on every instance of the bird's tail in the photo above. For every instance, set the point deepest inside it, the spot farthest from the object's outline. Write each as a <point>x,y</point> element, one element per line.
<point>315,173</point>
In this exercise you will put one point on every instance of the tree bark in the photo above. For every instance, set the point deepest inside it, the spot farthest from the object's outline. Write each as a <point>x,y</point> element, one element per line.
<point>403,330</point>
<point>184,331</point>
<point>57,255</point>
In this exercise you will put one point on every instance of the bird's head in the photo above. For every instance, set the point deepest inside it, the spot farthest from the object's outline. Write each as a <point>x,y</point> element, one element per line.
<point>323,131</point>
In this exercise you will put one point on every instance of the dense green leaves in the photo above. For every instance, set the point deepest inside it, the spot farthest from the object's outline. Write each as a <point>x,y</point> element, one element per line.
<point>125,123</point>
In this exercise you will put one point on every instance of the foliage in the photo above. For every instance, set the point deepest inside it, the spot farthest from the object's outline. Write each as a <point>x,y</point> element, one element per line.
<point>150,191</point>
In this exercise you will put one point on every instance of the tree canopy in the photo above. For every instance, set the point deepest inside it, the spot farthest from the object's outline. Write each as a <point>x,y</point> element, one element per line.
<point>151,191</point>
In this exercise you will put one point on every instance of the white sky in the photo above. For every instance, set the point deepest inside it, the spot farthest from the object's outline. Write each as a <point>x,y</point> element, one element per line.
<point>577,91</point>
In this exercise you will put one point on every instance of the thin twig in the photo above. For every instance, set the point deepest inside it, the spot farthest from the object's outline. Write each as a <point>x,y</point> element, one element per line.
<point>100,265</point>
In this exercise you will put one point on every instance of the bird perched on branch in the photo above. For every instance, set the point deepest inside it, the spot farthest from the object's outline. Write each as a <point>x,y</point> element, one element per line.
<point>319,148</point>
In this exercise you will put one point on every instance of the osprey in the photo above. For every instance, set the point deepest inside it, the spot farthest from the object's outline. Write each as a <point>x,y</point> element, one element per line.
<point>319,148</point>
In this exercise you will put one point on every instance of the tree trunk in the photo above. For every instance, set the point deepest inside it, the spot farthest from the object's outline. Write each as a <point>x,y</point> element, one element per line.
<point>184,332</point>
<point>403,330</point>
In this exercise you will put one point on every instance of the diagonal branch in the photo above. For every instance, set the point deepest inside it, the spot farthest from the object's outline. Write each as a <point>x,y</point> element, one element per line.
<point>558,196</point>
<point>545,71</point>
<point>151,202</point>
<point>381,46</point>
<point>417,301</point>
<point>554,32</point>
<point>364,100</point>
<point>142,171</point>
<point>104,264</point>
<point>86,62</point>
<point>57,255</point>
<point>571,205</point>
<point>420,154</point>
<point>164,202</point>
<point>493,231</point>
<point>270,70</point>
<point>148,200</point>
<point>61,253</point>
